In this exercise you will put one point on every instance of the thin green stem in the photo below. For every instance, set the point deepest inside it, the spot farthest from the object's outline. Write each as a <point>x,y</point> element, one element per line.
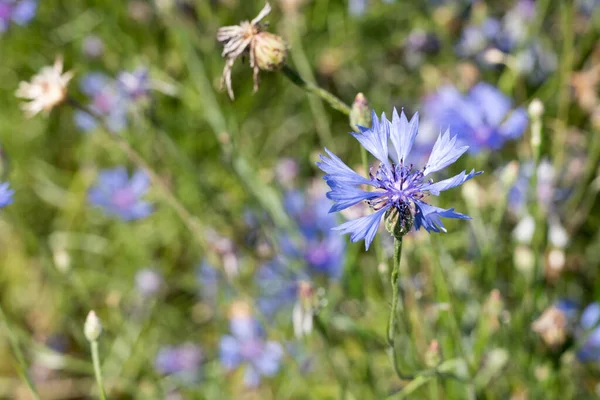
<point>333,101</point>
<point>97,369</point>
<point>21,365</point>
<point>391,328</point>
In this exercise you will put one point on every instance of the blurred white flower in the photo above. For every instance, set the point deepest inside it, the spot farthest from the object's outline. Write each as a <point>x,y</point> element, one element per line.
<point>46,90</point>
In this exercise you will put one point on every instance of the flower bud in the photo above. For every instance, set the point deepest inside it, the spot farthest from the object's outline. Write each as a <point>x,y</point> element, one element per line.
<point>270,51</point>
<point>536,108</point>
<point>433,356</point>
<point>551,326</point>
<point>399,222</point>
<point>360,115</point>
<point>92,327</point>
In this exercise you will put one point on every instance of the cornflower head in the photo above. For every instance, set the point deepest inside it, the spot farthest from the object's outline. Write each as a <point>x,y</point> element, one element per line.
<point>246,345</point>
<point>484,116</point>
<point>18,11</point>
<point>119,195</point>
<point>46,90</point>
<point>6,195</point>
<point>399,190</point>
<point>267,51</point>
<point>183,361</point>
<point>107,101</point>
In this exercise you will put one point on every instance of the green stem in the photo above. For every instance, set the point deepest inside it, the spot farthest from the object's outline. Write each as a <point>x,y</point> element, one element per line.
<point>391,329</point>
<point>333,101</point>
<point>97,369</point>
<point>21,365</point>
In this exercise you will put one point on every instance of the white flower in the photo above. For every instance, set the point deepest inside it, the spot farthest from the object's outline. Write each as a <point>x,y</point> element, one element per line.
<point>46,90</point>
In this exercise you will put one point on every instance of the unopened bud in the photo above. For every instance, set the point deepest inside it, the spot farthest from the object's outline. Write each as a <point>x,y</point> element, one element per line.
<point>433,356</point>
<point>536,109</point>
<point>399,222</point>
<point>360,115</point>
<point>494,56</point>
<point>270,51</point>
<point>551,326</point>
<point>92,327</point>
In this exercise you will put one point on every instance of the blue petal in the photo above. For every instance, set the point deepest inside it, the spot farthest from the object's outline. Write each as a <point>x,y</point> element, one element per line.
<point>363,228</point>
<point>590,316</point>
<point>268,361</point>
<point>251,376</point>
<point>428,217</point>
<point>139,182</point>
<point>436,188</point>
<point>515,124</point>
<point>445,152</point>
<point>403,133</point>
<point>336,170</point>
<point>346,196</point>
<point>493,103</point>
<point>230,352</point>
<point>375,140</point>
<point>24,12</point>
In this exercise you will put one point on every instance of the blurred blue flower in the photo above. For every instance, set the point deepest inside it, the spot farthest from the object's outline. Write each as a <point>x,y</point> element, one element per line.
<point>18,11</point>
<point>6,195</point>
<point>399,189</point>
<point>532,56</point>
<point>246,345</point>
<point>106,101</point>
<point>120,196</point>
<point>182,361</point>
<point>318,253</point>
<point>589,350</point>
<point>483,118</point>
<point>148,282</point>
<point>135,84</point>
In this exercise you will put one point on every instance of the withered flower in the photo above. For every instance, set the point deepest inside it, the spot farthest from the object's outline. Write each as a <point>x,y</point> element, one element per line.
<point>267,51</point>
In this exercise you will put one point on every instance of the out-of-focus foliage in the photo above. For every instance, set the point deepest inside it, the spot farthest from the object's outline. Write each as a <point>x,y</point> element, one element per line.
<point>214,271</point>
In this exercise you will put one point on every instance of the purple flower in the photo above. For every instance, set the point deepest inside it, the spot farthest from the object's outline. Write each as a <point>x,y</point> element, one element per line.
<point>18,11</point>
<point>106,101</point>
<point>483,118</point>
<point>247,346</point>
<point>120,196</point>
<point>182,361</point>
<point>135,84</point>
<point>399,190</point>
<point>148,282</point>
<point>316,255</point>
<point>6,195</point>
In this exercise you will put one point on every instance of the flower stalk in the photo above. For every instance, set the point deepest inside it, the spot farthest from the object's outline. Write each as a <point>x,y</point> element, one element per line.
<point>332,100</point>
<point>391,329</point>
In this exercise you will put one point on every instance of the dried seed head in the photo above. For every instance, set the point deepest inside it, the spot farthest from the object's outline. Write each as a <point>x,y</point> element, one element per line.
<point>267,51</point>
<point>270,51</point>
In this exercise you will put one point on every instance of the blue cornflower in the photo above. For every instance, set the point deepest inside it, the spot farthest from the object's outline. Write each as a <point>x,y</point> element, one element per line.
<point>317,253</point>
<point>246,345</point>
<point>400,190</point>
<point>6,195</point>
<point>183,361</point>
<point>120,196</point>
<point>590,334</point>
<point>483,117</point>
<point>106,101</point>
<point>18,11</point>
